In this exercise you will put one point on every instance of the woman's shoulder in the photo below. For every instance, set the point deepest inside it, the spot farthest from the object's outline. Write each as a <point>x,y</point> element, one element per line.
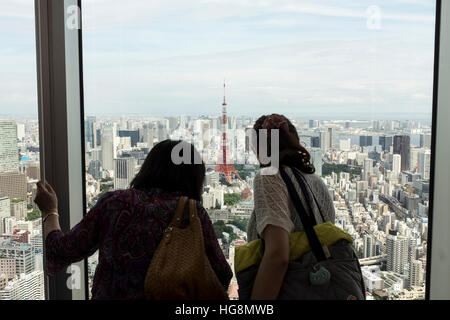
<point>313,177</point>
<point>314,181</point>
<point>317,185</point>
<point>128,196</point>
<point>272,175</point>
<point>269,182</point>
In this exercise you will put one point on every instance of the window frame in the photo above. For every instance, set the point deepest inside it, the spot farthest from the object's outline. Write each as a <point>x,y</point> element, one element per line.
<point>60,105</point>
<point>61,121</point>
<point>438,251</point>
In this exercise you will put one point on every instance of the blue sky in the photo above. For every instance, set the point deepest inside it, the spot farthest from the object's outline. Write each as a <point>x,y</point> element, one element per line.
<point>307,58</point>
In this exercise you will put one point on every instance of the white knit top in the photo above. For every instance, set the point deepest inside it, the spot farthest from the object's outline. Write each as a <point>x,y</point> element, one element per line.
<point>273,205</point>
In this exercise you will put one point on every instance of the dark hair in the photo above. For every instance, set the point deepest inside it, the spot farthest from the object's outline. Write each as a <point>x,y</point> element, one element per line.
<point>292,153</point>
<point>159,171</point>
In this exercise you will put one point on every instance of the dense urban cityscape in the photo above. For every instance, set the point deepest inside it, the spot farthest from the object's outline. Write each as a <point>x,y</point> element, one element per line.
<point>377,173</point>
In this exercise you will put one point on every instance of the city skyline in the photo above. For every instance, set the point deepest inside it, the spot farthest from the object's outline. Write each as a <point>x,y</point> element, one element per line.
<point>379,187</point>
<point>116,116</point>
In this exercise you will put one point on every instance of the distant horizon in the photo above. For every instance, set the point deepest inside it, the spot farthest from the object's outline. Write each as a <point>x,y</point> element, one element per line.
<point>398,116</point>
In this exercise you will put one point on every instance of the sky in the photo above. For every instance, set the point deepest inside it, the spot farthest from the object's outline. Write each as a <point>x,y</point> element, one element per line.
<point>330,59</point>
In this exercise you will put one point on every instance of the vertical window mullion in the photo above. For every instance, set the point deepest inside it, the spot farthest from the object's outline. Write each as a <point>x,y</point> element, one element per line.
<point>60,110</point>
<point>438,282</point>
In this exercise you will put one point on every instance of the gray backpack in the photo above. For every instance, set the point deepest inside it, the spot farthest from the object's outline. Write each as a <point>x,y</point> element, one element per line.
<point>330,273</point>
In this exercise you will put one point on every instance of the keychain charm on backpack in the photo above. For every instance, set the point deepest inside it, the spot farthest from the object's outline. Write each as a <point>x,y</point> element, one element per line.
<point>319,277</point>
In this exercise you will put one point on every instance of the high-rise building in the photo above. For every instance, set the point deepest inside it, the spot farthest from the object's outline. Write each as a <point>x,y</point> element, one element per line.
<point>98,137</point>
<point>109,147</point>
<point>396,164</point>
<point>331,137</point>
<point>415,274</point>
<point>13,185</point>
<point>8,267</point>
<point>375,156</point>
<point>248,140</point>
<point>95,155</point>
<point>411,202</point>
<point>215,123</point>
<point>345,145</point>
<point>134,136</point>
<point>9,152</point>
<point>397,252</point>
<point>173,123</point>
<point>21,252</point>
<point>5,208</point>
<point>425,141</point>
<point>33,171</point>
<point>369,246</point>
<point>412,248</point>
<point>89,131</point>
<point>212,179</point>
<point>324,137</point>
<point>124,143</point>
<point>36,241</point>
<point>403,148</point>
<point>368,168</point>
<point>385,142</point>
<point>95,169</point>
<point>123,123</point>
<point>183,122</point>
<point>314,124</point>
<point>365,141</point>
<point>124,172</point>
<point>316,155</point>
<point>414,159</point>
<point>361,186</point>
<point>315,142</point>
<point>424,162</point>
<point>19,209</point>
<point>146,135</point>
<point>26,287</point>
<point>232,122</point>
<point>162,132</point>
<point>351,195</point>
<point>7,225</point>
<point>386,222</point>
<point>20,131</point>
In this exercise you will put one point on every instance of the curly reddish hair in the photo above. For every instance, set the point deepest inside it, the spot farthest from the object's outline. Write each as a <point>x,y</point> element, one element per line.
<point>292,153</point>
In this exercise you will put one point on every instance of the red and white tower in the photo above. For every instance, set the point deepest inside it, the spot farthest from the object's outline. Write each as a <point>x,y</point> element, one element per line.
<point>223,165</point>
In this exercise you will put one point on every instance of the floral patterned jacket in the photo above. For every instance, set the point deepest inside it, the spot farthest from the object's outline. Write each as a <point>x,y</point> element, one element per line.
<point>126,226</point>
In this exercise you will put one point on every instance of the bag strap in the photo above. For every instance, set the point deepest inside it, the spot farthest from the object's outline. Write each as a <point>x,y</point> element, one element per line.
<point>300,177</point>
<point>192,208</point>
<point>176,221</point>
<point>313,240</point>
<point>309,211</point>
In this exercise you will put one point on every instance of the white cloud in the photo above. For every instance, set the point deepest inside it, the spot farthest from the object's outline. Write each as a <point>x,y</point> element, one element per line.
<point>152,57</point>
<point>345,12</point>
<point>17,9</point>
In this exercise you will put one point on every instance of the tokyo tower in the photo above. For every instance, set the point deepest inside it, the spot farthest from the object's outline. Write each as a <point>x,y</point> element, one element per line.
<point>223,165</point>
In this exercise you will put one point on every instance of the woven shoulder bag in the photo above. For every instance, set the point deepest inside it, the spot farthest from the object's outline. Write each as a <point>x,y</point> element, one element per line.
<point>180,269</point>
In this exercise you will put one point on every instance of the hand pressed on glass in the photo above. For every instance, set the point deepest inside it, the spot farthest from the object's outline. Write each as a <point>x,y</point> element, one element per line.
<point>46,198</point>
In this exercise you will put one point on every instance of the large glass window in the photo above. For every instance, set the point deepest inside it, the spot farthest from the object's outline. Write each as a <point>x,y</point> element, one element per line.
<point>21,263</point>
<point>355,77</point>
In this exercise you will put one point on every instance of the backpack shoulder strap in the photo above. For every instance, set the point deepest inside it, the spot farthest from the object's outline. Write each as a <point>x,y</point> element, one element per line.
<point>313,240</point>
<point>301,178</point>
